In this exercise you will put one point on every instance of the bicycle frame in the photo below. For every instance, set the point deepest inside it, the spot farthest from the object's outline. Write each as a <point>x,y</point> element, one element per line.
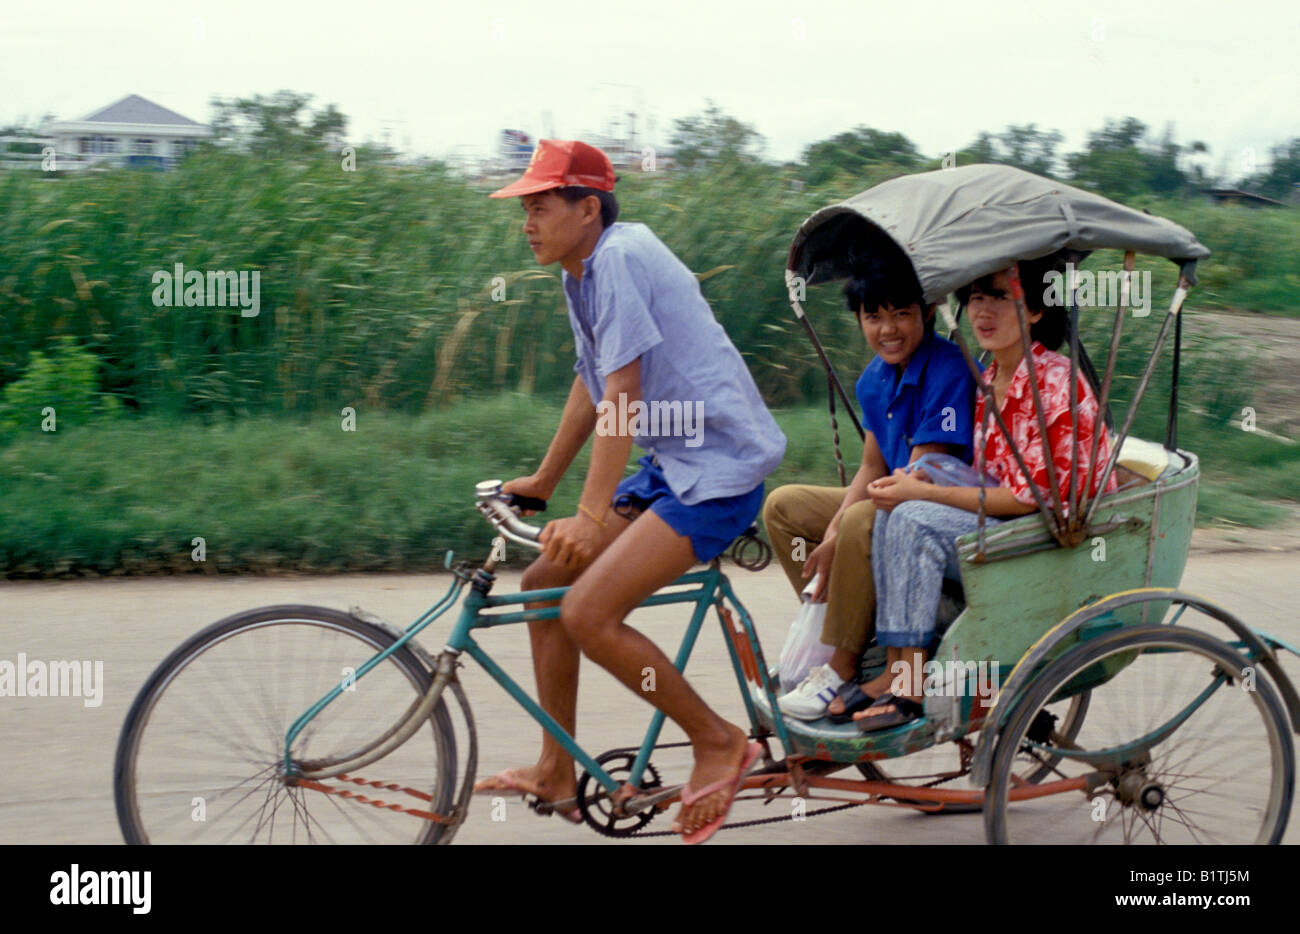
<point>709,587</point>
<point>482,610</point>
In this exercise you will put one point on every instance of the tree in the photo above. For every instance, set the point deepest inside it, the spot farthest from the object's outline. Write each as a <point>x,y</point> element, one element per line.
<point>1163,174</point>
<point>1117,163</point>
<point>713,137</point>
<point>862,153</point>
<point>1025,147</point>
<point>277,126</point>
<point>983,150</point>
<point>1198,178</point>
<point>1283,174</point>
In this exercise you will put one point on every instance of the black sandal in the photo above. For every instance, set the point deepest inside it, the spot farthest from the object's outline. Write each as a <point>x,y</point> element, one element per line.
<point>854,700</point>
<point>905,711</point>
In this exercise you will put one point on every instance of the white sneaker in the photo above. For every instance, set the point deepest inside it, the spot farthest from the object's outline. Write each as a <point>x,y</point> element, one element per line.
<point>813,695</point>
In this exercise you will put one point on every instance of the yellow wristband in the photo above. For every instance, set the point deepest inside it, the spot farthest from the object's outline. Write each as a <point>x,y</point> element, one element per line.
<point>592,515</point>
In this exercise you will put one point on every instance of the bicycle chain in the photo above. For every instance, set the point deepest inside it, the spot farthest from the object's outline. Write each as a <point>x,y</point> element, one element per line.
<point>764,820</point>
<point>603,831</point>
<point>734,825</point>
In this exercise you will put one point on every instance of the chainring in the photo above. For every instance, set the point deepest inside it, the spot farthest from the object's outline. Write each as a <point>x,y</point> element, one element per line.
<point>597,808</point>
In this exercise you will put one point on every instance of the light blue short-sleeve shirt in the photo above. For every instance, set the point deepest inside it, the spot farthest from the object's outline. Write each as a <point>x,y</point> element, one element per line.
<point>702,416</point>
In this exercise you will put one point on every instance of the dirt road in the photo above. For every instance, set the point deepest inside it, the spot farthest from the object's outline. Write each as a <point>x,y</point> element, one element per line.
<point>58,752</point>
<point>1272,343</point>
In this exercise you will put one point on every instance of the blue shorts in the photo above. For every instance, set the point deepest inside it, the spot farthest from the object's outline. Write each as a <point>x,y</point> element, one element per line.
<point>711,525</point>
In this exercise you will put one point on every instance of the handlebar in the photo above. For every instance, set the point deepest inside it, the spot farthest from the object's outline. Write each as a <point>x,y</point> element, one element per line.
<point>499,510</point>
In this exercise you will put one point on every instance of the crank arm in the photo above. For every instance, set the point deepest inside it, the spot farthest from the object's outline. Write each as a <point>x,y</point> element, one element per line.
<point>643,802</point>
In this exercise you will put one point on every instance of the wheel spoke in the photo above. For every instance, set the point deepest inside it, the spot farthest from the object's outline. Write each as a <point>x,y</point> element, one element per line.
<point>215,721</point>
<point>1193,760</point>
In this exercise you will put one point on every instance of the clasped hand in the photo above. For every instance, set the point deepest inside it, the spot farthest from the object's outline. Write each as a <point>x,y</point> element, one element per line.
<point>898,487</point>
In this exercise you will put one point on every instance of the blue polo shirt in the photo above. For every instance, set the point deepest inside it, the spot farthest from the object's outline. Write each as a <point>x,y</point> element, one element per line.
<point>933,402</point>
<point>705,424</point>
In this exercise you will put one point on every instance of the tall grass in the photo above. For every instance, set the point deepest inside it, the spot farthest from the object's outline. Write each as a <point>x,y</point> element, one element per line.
<point>1255,254</point>
<point>273,493</point>
<point>380,287</point>
<point>363,277</point>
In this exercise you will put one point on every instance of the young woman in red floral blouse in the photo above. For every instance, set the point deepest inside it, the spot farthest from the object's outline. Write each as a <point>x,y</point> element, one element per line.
<point>1008,375</point>
<point>918,520</point>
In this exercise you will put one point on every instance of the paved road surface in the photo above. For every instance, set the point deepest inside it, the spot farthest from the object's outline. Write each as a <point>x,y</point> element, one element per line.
<point>58,754</point>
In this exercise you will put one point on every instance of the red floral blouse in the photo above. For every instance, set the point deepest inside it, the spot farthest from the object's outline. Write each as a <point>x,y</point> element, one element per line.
<point>1017,411</point>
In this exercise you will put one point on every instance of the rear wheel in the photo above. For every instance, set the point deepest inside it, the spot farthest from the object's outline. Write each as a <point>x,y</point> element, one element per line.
<point>201,755</point>
<point>1185,742</point>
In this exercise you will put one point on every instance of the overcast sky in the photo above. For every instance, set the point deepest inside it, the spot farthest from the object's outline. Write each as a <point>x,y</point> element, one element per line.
<point>445,78</point>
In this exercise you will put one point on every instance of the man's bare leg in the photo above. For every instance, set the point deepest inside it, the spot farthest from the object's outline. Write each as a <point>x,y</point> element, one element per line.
<point>555,666</point>
<point>646,557</point>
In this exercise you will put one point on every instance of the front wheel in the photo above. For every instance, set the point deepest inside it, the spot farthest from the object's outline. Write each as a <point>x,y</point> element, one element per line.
<point>201,755</point>
<point>1185,742</point>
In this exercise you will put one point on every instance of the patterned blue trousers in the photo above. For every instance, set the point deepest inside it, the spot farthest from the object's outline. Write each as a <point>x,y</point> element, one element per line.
<point>913,548</point>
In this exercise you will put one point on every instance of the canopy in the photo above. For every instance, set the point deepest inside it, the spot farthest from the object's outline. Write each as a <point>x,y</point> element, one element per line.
<point>956,225</point>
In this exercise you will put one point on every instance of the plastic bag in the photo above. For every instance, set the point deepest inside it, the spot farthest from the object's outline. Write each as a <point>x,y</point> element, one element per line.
<point>803,649</point>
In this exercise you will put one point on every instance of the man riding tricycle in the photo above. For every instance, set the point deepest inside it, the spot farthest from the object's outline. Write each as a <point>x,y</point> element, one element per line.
<point>981,656</point>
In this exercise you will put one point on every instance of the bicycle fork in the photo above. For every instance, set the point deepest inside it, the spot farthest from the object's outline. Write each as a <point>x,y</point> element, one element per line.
<point>399,732</point>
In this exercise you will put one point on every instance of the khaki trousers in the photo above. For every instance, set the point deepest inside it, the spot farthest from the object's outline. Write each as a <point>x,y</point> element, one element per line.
<point>797,511</point>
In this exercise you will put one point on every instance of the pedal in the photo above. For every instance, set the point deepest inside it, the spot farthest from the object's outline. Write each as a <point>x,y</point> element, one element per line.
<point>548,808</point>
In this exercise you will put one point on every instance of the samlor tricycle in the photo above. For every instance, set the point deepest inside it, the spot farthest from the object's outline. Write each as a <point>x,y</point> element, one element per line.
<point>1124,710</point>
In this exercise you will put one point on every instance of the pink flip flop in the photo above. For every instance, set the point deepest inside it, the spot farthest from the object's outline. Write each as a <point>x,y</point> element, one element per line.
<point>690,796</point>
<point>507,778</point>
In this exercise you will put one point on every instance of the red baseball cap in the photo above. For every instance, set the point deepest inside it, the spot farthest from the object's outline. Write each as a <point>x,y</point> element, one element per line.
<point>562,163</point>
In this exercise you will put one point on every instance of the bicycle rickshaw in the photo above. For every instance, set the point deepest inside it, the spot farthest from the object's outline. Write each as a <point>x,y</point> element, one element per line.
<point>1125,710</point>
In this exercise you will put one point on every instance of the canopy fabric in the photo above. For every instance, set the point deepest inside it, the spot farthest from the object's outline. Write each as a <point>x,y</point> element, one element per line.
<point>959,224</point>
